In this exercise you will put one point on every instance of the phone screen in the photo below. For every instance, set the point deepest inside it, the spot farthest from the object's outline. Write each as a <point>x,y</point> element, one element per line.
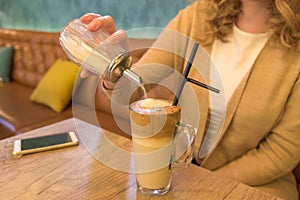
<point>44,141</point>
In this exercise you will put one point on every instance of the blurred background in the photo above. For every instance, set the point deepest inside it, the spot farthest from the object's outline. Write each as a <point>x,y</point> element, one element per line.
<point>52,15</point>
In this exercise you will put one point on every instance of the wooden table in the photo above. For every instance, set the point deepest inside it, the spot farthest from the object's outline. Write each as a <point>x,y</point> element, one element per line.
<point>73,173</point>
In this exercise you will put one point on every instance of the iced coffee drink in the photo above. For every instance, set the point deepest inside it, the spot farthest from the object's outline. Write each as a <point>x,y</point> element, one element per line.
<point>152,125</point>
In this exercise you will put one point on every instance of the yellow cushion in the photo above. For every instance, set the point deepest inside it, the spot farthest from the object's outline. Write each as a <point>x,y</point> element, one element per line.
<point>55,88</point>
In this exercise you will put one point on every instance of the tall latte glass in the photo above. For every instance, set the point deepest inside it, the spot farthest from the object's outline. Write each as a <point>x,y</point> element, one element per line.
<point>154,126</point>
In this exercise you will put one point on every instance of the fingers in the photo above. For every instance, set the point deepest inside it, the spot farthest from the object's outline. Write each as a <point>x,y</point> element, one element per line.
<point>96,22</point>
<point>117,37</point>
<point>87,18</point>
<point>85,73</point>
<point>120,38</point>
<point>106,22</point>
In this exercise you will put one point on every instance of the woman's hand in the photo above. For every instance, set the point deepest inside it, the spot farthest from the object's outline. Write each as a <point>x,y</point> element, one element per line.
<point>96,22</point>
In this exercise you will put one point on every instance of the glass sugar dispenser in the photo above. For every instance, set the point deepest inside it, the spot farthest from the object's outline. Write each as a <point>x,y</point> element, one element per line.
<point>92,51</point>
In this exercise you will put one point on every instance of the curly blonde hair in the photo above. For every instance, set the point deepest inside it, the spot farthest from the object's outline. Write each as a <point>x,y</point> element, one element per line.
<point>284,23</point>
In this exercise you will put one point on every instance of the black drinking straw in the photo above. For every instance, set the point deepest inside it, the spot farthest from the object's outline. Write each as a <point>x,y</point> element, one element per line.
<point>185,73</point>
<point>203,85</point>
<point>185,77</point>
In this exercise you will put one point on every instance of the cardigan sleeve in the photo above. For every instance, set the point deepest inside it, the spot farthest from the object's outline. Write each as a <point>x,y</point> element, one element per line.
<point>277,154</point>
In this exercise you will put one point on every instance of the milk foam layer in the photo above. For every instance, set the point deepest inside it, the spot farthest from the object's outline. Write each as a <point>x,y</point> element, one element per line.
<point>154,106</point>
<point>153,103</point>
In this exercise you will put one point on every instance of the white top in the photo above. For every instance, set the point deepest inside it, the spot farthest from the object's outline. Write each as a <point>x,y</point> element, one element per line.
<point>235,58</point>
<point>232,61</point>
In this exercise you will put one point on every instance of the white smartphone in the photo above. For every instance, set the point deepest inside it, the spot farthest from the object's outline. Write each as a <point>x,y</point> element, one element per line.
<point>44,143</point>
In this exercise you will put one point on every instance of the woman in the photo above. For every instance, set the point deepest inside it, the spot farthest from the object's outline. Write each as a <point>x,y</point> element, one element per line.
<point>255,47</point>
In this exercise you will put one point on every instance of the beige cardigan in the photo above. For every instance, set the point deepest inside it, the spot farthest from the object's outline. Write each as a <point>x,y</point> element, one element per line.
<point>260,139</point>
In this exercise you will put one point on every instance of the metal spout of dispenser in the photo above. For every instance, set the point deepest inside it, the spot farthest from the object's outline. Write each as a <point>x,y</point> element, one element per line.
<point>133,77</point>
<point>121,66</point>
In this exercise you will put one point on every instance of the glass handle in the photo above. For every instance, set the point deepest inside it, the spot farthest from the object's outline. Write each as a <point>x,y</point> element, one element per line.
<point>182,147</point>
